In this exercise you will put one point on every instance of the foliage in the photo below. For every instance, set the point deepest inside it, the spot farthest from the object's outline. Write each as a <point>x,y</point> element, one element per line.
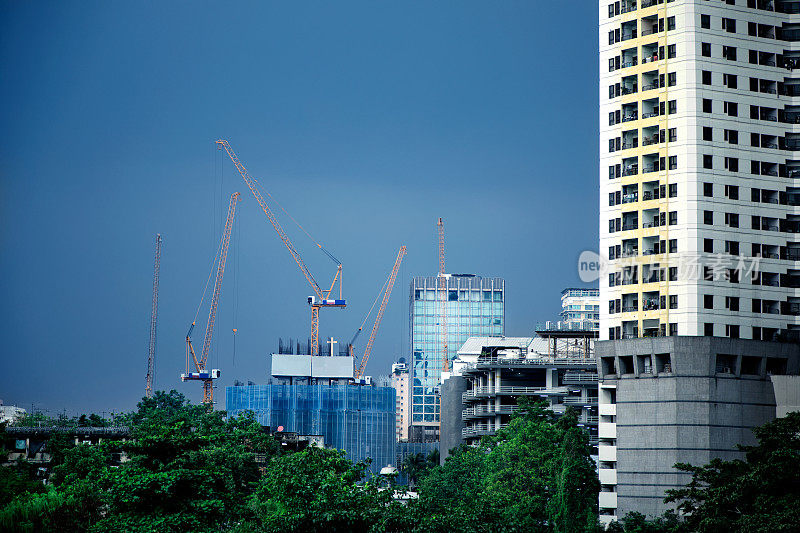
<point>534,475</point>
<point>320,490</point>
<point>638,523</point>
<point>417,466</point>
<point>758,494</point>
<point>454,497</point>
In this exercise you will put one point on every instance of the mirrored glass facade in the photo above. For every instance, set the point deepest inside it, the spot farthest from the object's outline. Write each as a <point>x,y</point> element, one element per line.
<point>475,308</point>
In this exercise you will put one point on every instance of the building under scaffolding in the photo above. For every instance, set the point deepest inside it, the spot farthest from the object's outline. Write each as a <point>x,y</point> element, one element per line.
<point>317,395</point>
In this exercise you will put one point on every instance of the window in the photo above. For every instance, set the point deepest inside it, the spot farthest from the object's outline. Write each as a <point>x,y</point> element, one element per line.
<point>755,195</point>
<point>671,53</point>
<point>708,133</point>
<point>752,57</point>
<point>708,301</point>
<point>733,275</point>
<point>673,134</point>
<point>705,21</point>
<point>673,190</point>
<point>671,23</point>
<point>673,301</point>
<point>732,331</point>
<point>732,247</point>
<point>755,223</point>
<point>708,217</point>
<point>732,220</point>
<point>673,273</point>
<point>708,161</point>
<point>732,164</point>
<point>708,246</point>
<point>731,109</point>
<point>673,218</point>
<point>705,49</point>
<point>729,25</point>
<point>673,162</point>
<point>673,329</point>
<point>706,77</point>
<point>673,246</point>
<point>732,303</point>
<point>752,29</point>
<point>707,106</point>
<point>708,189</point>
<point>731,136</point>
<point>729,53</point>
<point>729,80</point>
<point>754,88</point>
<point>756,305</point>
<point>708,329</point>
<point>672,79</point>
<point>755,138</point>
<point>732,192</point>
<point>673,106</point>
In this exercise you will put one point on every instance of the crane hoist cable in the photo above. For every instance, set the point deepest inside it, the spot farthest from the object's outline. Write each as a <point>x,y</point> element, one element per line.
<point>321,297</point>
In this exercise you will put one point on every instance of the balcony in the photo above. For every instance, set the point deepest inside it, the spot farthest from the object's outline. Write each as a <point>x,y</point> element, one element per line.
<point>577,378</point>
<point>487,391</point>
<point>630,116</point>
<point>482,411</point>
<point>590,401</point>
<point>630,198</point>
<point>633,143</point>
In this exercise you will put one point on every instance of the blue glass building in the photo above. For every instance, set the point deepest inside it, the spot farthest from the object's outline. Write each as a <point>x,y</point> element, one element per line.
<point>356,418</point>
<point>475,308</point>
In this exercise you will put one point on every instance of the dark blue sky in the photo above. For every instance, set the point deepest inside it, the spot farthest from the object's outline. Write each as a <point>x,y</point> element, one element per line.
<point>366,120</point>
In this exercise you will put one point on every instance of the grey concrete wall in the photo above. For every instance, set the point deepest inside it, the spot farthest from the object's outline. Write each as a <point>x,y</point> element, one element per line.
<point>787,394</point>
<point>691,414</point>
<point>451,423</point>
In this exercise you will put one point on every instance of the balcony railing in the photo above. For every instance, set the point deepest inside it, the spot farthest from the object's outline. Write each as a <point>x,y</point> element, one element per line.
<point>629,308</point>
<point>630,198</point>
<point>650,31</point>
<point>651,140</point>
<point>503,390</point>
<point>629,117</point>
<point>580,401</point>
<point>631,170</point>
<point>633,143</point>
<point>576,378</point>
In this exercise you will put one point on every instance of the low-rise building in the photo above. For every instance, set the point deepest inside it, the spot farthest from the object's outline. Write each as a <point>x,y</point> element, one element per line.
<point>491,374</point>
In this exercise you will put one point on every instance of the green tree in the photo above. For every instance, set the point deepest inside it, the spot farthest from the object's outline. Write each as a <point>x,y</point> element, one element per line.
<point>540,472</point>
<point>454,497</point>
<point>320,490</point>
<point>758,494</point>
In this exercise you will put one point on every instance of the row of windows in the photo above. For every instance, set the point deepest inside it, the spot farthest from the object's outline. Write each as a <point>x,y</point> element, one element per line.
<point>630,85</point>
<point>616,333</point>
<point>650,26</point>
<point>652,191</point>
<point>651,303</point>
<point>650,54</point>
<point>630,166</point>
<point>659,136</point>
<point>632,250</point>
<point>630,112</point>
<point>454,296</point>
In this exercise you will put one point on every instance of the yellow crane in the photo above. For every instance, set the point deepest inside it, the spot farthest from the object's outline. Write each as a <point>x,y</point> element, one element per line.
<point>389,284</point>
<point>321,298</point>
<point>151,353</point>
<point>443,295</point>
<point>202,373</point>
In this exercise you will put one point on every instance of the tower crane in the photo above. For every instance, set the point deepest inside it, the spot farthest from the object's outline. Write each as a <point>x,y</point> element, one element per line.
<point>443,294</point>
<point>151,353</point>
<point>379,316</point>
<point>321,298</point>
<point>202,373</point>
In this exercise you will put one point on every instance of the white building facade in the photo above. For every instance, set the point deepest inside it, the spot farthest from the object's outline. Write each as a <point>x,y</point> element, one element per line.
<point>400,382</point>
<point>698,134</point>
<point>699,197</point>
<point>581,306</point>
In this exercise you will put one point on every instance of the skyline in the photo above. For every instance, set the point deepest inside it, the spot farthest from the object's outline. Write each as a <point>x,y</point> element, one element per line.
<point>387,118</point>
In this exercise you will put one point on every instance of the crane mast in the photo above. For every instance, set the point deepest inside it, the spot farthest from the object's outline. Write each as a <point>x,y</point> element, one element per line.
<point>202,373</point>
<point>321,298</point>
<point>379,316</point>
<point>443,294</point>
<point>151,353</point>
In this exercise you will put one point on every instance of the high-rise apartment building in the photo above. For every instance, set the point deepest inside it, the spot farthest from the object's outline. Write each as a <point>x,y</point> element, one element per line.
<point>581,306</point>
<point>475,307</point>
<point>699,109</point>
<point>401,383</point>
<point>699,114</point>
